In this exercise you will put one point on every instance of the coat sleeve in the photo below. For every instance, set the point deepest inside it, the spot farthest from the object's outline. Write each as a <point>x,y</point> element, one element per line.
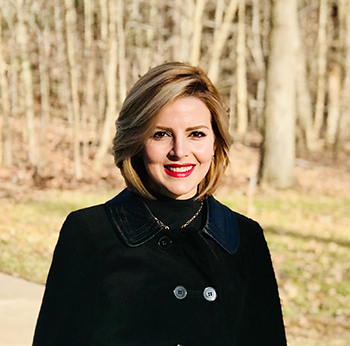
<point>67,310</point>
<point>262,322</point>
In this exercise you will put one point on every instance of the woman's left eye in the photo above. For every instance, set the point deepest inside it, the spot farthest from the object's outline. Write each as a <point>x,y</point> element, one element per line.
<point>198,134</point>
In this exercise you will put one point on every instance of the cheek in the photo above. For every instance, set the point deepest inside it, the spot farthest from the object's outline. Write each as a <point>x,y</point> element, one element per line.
<point>205,152</point>
<point>152,155</point>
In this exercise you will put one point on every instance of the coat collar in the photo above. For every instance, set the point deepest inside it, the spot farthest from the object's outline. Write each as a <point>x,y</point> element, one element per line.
<point>135,224</point>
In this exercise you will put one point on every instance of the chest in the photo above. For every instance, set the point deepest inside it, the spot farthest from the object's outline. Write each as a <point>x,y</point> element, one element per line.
<point>173,288</point>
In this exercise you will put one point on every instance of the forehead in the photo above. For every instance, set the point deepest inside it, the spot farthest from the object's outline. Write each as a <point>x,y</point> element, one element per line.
<point>185,110</point>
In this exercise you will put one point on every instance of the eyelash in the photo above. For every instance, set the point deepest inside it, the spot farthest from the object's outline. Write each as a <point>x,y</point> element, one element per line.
<point>198,134</point>
<point>162,134</point>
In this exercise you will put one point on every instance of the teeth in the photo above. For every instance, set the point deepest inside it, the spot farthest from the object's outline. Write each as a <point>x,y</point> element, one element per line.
<point>179,169</point>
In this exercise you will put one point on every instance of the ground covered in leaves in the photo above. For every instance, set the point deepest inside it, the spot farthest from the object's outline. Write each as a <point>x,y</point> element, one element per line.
<point>307,229</point>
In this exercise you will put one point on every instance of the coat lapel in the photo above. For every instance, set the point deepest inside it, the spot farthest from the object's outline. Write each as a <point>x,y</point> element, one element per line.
<point>135,224</point>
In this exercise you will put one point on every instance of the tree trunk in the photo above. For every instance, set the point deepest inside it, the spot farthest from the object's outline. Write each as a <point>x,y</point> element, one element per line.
<point>144,53</point>
<point>103,42</point>
<point>219,42</point>
<point>219,16</point>
<point>62,81</point>
<point>71,50</point>
<point>14,82</point>
<point>344,122</point>
<point>186,31</point>
<point>88,109</point>
<point>197,32</point>
<point>258,57</point>
<point>334,92</point>
<point>242,93</point>
<point>233,107</point>
<point>266,26</point>
<point>303,98</point>
<point>180,39</point>
<point>104,23</point>
<point>108,125</point>
<point>122,66</point>
<point>5,131</point>
<point>150,33</point>
<point>322,65</point>
<point>44,58</point>
<point>28,85</point>
<point>277,166</point>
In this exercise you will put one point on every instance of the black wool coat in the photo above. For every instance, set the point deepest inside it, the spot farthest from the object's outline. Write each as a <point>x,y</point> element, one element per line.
<point>118,278</point>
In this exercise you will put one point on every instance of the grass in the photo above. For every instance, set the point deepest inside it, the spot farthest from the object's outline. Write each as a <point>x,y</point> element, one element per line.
<point>308,235</point>
<point>29,229</point>
<point>309,240</point>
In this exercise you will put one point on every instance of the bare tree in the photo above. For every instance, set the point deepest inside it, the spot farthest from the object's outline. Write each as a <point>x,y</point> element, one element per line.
<point>88,106</point>
<point>242,94</point>
<point>344,121</point>
<point>44,59</point>
<point>122,66</point>
<point>62,76</point>
<point>22,37</point>
<point>74,64</point>
<point>303,98</point>
<point>322,66</point>
<point>277,167</point>
<point>182,29</point>
<point>103,48</point>
<point>71,49</point>
<point>255,44</point>
<point>220,37</point>
<point>150,33</point>
<point>334,93</point>
<point>197,32</point>
<point>108,125</point>
<point>186,30</point>
<point>5,131</point>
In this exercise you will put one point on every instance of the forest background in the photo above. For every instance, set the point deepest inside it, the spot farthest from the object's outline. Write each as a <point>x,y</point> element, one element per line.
<point>283,69</point>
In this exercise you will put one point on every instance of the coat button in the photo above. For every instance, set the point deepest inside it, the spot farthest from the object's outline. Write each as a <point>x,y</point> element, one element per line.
<point>180,292</point>
<point>209,294</point>
<point>164,242</point>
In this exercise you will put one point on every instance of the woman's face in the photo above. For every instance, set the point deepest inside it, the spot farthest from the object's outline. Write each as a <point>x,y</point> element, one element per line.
<point>179,147</point>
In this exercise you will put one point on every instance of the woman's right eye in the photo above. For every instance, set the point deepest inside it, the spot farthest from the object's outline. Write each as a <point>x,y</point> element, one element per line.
<point>160,134</point>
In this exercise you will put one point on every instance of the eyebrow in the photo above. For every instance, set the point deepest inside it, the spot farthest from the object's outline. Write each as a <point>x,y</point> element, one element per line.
<point>188,129</point>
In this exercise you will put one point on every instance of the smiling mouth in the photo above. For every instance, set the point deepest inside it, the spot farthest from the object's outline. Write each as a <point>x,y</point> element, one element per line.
<point>179,171</point>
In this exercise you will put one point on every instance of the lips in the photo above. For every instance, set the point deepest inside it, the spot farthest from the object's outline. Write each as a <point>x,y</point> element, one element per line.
<point>179,171</point>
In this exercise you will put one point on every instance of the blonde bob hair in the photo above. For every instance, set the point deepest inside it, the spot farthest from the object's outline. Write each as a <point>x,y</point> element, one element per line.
<point>157,88</point>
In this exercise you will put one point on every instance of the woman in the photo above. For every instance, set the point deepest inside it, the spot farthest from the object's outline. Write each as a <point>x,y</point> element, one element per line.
<point>164,263</point>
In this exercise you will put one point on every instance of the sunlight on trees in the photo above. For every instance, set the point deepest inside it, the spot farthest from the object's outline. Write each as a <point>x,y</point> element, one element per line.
<point>277,166</point>
<point>66,66</point>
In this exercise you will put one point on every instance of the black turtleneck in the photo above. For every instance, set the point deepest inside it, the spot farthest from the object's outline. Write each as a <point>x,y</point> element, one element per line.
<point>174,213</point>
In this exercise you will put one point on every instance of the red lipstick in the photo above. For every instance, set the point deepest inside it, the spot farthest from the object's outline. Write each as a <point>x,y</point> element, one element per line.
<point>179,171</point>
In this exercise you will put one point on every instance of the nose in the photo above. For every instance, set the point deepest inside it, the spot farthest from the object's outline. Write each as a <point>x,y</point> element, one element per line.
<point>179,149</point>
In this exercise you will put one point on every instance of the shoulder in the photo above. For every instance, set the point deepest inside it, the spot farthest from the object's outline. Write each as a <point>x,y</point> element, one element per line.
<point>87,226</point>
<point>249,230</point>
<point>86,214</point>
<point>223,210</point>
<point>84,218</point>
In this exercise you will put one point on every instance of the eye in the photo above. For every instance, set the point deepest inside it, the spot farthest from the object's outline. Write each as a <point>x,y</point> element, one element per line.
<point>197,134</point>
<point>161,134</point>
